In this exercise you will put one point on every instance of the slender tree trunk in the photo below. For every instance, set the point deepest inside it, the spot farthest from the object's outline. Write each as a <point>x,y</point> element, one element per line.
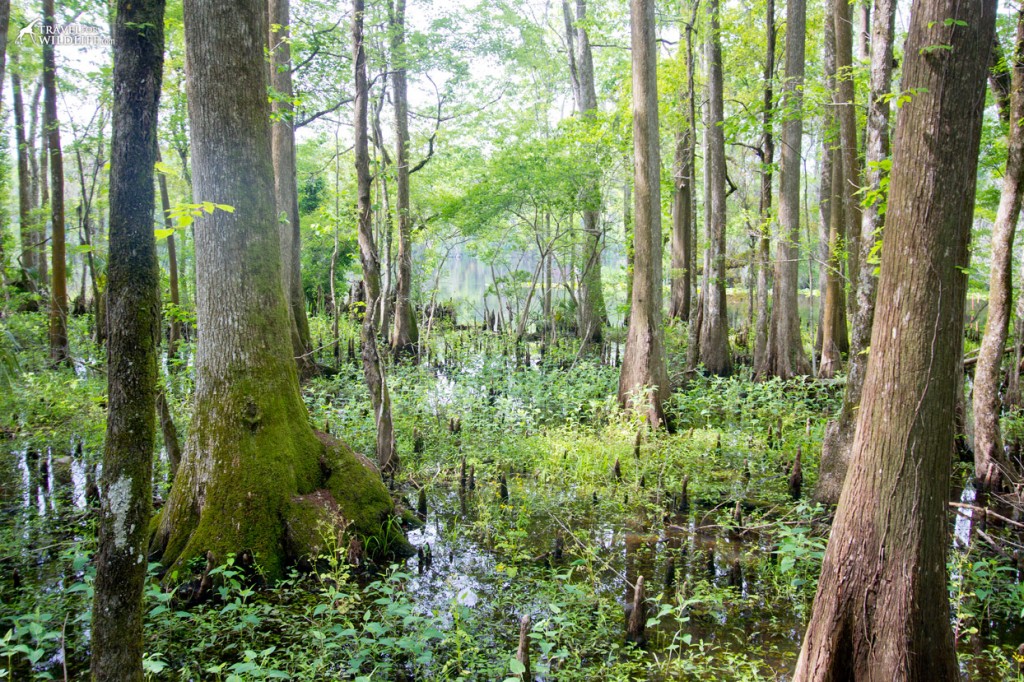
<point>682,217</point>
<point>133,288</point>
<point>643,363</point>
<point>846,113</point>
<point>286,189</point>
<point>376,380</point>
<point>26,217</point>
<point>682,245</point>
<point>714,334</point>
<point>172,262</point>
<point>833,326</point>
<point>785,355</point>
<point>59,351</point>
<point>763,240</point>
<point>255,479</point>
<point>41,172</point>
<point>367,247</point>
<point>627,230</point>
<point>882,607</point>
<point>838,439</point>
<point>989,459</point>
<point>693,332</point>
<point>999,79</point>
<point>592,313</point>
<point>405,334</point>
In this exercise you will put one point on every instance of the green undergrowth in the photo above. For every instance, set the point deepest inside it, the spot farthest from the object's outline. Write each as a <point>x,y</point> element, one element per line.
<point>554,432</point>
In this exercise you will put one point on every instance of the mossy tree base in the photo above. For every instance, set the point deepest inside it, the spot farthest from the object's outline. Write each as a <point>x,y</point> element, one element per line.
<point>282,505</point>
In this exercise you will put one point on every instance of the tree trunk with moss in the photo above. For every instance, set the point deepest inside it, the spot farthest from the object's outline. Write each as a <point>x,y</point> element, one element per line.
<point>59,351</point>
<point>714,334</point>
<point>643,362</point>
<point>990,462</point>
<point>255,476</point>
<point>881,611</point>
<point>133,295</point>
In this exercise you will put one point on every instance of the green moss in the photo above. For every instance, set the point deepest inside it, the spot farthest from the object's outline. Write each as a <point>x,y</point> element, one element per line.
<point>261,452</point>
<point>315,526</point>
<point>357,487</point>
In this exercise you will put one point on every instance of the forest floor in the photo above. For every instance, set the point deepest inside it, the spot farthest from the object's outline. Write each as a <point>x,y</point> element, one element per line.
<point>594,500</point>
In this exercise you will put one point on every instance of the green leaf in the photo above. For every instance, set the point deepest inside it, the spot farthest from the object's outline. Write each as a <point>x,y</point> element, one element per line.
<point>516,666</point>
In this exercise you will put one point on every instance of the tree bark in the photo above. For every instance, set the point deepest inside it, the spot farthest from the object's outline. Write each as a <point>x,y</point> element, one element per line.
<point>833,325</point>
<point>405,335</point>
<point>592,313</point>
<point>286,189</point>
<point>26,218</point>
<point>255,478</point>
<point>846,113</point>
<point>835,453</point>
<point>59,351</point>
<point>174,336</point>
<point>643,362</point>
<point>373,370</point>
<point>682,245</point>
<point>882,608</point>
<point>42,181</point>
<point>989,459</point>
<point>999,79</point>
<point>763,239</point>
<point>784,356</point>
<point>133,294</point>
<point>714,333</point>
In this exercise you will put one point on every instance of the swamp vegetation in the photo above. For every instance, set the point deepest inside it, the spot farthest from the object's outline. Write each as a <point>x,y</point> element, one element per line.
<point>594,500</point>
<point>340,341</point>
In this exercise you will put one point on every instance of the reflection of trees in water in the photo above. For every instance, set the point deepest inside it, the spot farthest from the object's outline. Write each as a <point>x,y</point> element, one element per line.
<point>466,278</point>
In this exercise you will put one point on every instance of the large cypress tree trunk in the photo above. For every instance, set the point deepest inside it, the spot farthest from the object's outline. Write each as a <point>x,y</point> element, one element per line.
<point>714,333</point>
<point>882,608</point>
<point>286,189</point>
<point>835,451</point>
<point>989,460</point>
<point>784,356</point>
<point>133,296</point>
<point>643,363</point>
<point>59,351</point>
<point>255,477</point>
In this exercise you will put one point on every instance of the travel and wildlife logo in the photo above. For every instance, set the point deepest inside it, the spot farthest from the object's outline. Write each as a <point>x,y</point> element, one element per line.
<point>73,34</point>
